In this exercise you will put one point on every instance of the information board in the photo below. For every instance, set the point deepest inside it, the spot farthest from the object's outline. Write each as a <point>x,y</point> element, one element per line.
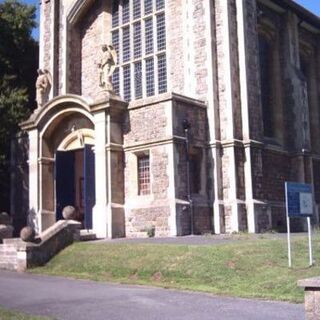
<point>299,199</point>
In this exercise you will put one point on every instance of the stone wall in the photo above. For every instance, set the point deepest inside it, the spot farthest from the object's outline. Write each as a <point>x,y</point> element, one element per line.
<point>91,41</point>
<point>252,69</point>
<point>47,7</point>
<point>145,123</point>
<point>19,256</point>
<point>174,20</point>
<point>145,211</point>
<point>200,49</point>
<point>74,65</point>
<point>311,297</point>
<point>276,170</point>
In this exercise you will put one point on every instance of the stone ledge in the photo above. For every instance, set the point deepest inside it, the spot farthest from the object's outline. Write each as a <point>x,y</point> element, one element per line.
<point>310,283</point>
<point>311,297</point>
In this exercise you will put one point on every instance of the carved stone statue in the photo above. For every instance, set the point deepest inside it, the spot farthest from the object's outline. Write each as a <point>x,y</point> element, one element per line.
<point>106,66</point>
<point>43,86</point>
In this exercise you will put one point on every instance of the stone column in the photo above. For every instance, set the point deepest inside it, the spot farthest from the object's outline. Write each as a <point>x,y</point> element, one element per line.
<point>108,212</point>
<point>46,192</point>
<point>249,92</point>
<point>99,212</point>
<point>229,113</point>
<point>34,177</point>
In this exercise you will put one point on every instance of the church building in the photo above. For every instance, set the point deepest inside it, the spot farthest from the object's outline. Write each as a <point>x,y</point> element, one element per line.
<point>174,117</point>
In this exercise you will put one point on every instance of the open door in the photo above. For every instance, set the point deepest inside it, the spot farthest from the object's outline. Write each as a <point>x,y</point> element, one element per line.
<point>64,175</point>
<point>89,185</point>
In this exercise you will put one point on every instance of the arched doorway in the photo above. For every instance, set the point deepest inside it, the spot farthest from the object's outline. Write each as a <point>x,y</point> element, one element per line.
<point>74,174</point>
<point>76,147</point>
<point>58,132</point>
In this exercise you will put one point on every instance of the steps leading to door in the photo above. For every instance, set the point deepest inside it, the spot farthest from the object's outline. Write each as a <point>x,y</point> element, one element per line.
<point>87,235</point>
<point>18,255</point>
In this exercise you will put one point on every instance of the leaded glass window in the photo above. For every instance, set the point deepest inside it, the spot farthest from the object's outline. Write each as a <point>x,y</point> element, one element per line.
<point>126,83</point>
<point>143,175</point>
<point>148,36</point>
<point>139,37</point>
<point>147,6</point>
<point>161,32</point>
<point>126,44</point>
<point>138,80</point>
<point>150,77</point>
<point>137,40</point>
<point>162,74</point>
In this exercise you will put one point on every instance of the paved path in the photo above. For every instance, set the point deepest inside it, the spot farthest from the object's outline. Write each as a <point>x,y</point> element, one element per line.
<point>83,300</point>
<point>205,240</point>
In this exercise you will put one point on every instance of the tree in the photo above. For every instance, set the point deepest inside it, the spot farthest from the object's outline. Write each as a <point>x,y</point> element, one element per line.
<point>18,64</point>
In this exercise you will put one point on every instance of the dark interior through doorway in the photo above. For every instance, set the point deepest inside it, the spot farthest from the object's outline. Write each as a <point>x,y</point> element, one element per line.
<point>75,183</point>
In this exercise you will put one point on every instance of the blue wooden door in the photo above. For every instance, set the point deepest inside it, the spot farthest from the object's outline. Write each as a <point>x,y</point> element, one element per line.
<point>89,185</point>
<point>64,175</point>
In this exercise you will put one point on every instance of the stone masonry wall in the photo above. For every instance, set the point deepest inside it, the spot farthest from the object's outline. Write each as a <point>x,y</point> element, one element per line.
<point>174,21</point>
<point>74,75</point>
<point>253,81</point>
<point>257,173</point>
<point>91,30</point>
<point>145,124</point>
<point>276,170</point>
<point>60,49</point>
<point>196,116</point>
<point>47,34</point>
<point>234,60</point>
<point>199,45</point>
<point>146,211</point>
<point>240,159</point>
<point>144,127</point>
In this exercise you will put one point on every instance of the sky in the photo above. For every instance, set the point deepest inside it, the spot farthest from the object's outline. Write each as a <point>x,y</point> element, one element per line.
<point>312,5</point>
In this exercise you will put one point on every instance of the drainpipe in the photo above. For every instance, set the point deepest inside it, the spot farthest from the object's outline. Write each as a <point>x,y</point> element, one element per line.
<point>186,126</point>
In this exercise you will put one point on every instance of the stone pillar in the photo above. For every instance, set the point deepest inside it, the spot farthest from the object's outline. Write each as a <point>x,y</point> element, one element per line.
<point>229,113</point>
<point>108,212</point>
<point>249,79</point>
<point>34,177</point>
<point>46,192</point>
<point>99,212</point>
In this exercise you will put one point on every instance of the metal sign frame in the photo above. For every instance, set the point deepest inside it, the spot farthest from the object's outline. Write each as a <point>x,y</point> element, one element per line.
<point>299,203</point>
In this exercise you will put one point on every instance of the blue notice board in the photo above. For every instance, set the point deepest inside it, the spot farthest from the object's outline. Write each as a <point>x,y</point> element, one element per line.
<point>299,199</point>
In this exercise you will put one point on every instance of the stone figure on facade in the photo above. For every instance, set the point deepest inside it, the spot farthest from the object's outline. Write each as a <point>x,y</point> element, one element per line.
<point>106,66</point>
<point>43,86</point>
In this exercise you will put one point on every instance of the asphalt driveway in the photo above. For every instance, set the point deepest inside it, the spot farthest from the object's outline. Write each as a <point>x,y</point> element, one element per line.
<point>69,299</point>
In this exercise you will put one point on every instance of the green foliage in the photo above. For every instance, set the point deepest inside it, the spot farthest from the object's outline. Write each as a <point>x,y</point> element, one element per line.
<point>257,268</point>
<point>18,64</point>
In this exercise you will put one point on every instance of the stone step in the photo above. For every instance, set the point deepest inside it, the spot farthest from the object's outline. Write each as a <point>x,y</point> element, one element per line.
<point>87,235</point>
<point>8,254</point>
<point>6,259</point>
<point>4,248</point>
<point>8,266</point>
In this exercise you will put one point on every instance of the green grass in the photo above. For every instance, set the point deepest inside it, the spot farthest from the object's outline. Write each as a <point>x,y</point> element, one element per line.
<point>6,314</point>
<point>252,268</point>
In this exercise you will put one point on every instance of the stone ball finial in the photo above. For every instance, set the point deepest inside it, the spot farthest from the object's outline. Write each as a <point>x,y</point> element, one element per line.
<point>5,232</point>
<point>69,213</point>
<point>27,234</point>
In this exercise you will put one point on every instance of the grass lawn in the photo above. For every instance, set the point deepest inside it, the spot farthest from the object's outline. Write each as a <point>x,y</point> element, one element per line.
<point>6,314</point>
<point>251,268</point>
